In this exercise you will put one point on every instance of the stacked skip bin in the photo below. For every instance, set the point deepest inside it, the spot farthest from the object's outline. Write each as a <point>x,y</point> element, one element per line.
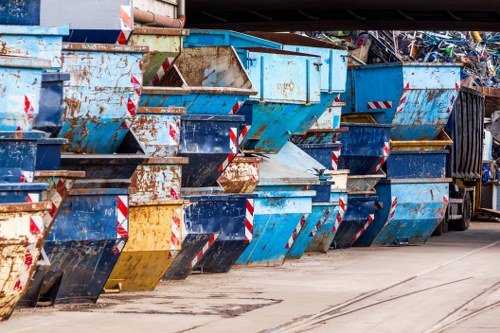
<point>156,209</point>
<point>290,98</point>
<point>207,83</point>
<point>100,102</point>
<point>32,186</point>
<point>416,101</point>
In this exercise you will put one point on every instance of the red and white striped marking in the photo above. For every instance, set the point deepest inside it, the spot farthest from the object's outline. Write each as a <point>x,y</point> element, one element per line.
<point>57,196</point>
<point>174,194</point>
<point>233,145</point>
<point>335,158</point>
<point>161,71</point>
<point>249,209</point>
<point>205,248</point>
<point>126,24</point>
<point>29,109</point>
<point>299,226</point>
<point>33,197</point>
<point>236,107</point>
<point>118,248</point>
<point>392,210</point>
<point>403,98</point>
<point>173,131</point>
<point>122,216</point>
<point>379,105</point>
<point>452,102</point>
<point>319,224</point>
<point>379,205</point>
<point>337,99</point>
<point>137,84</point>
<point>445,206</point>
<point>244,132</point>
<point>175,238</point>
<point>371,217</point>
<point>27,176</point>
<point>132,107</point>
<point>385,156</point>
<point>29,259</point>
<point>340,215</point>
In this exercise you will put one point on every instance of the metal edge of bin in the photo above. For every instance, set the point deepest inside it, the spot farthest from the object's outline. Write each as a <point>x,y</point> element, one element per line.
<point>169,110</point>
<point>94,47</point>
<point>439,144</point>
<point>24,62</point>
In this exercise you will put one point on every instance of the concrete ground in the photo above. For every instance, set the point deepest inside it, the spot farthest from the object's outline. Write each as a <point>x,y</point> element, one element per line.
<point>452,284</point>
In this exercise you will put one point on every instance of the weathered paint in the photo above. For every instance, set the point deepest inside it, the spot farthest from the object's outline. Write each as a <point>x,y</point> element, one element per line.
<point>419,96</point>
<point>206,37</point>
<point>49,118</point>
<point>21,192</point>
<point>214,77</point>
<point>21,87</point>
<point>18,153</point>
<point>325,153</point>
<point>163,44</point>
<point>411,211</point>
<point>330,119</point>
<point>48,153</point>
<point>83,246</point>
<point>21,227</point>
<point>359,213</point>
<point>363,147</point>
<point>157,179</point>
<point>102,96</point>
<point>417,164</point>
<point>154,239</point>
<point>24,12</point>
<point>158,130</point>
<point>207,140</point>
<point>33,42</point>
<point>242,175</point>
<point>364,184</point>
<point>440,143</point>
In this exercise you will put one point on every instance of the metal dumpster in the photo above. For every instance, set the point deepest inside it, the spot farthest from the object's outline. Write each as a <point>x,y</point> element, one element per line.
<point>49,118</point>
<point>215,79</point>
<point>417,164</point>
<point>411,210</point>
<point>83,246</point>
<point>241,175</point>
<point>207,140</point>
<point>327,154</point>
<point>360,213</point>
<point>48,153</point>
<point>218,229</point>
<point>44,43</point>
<point>21,80</point>
<point>365,183</point>
<point>415,98</point>
<point>21,226</point>
<point>20,12</point>
<point>281,206</point>
<point>365,148</point>
<point>18,153</point>
<point>102,96</point>
<point>21,192</point>
<point>164,45</point>
<point>154,240</point>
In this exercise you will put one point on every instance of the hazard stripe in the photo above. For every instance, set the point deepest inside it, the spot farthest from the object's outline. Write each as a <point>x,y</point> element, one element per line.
<point>205,248</point>
<point>371,217</point>
<point>379,105</point>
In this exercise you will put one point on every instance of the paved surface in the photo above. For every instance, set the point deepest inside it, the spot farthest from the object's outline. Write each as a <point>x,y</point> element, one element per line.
<point>452,284</point>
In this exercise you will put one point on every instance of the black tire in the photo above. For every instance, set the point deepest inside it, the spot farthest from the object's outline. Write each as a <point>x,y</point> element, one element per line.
<point>464,223</point>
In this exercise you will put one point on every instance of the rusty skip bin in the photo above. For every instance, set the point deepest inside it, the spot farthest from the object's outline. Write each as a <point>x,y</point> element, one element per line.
<point>242,175</point>
<point>22,230</point>
<point>102,96</point>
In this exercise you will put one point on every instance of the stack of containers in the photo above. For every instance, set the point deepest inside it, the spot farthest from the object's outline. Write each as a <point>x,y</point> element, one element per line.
<point>100,101</point>
<point>416,101</point>
<point>31,102</point>
<point>156,210</point>
<point>207,82</point>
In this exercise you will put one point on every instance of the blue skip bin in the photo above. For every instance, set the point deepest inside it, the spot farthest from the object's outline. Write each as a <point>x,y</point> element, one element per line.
<point>83,246</point>
<point>365,147</point>
<point>411,210</point>
<point>281,206</point>
<point>417,164</point>
<point>358,217</point>
<point>415,98</point>
<point>219,228</point>
<point>49,117</point>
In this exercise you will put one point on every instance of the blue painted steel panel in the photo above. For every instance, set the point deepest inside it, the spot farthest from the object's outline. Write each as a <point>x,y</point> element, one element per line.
<point>48,153</point>
<point>206,37</point>
<point>21,192</point>
<point>21,86</point>
<point>322,152</point>
<point>33,42</point>
<point>101,96</point>
<point>417,164</point>
<point>18,155</point>
<point>207,141</point>
<point>363,147</point>
<point>84,244</point>
<point>20,12</point>
<point>415,98</point>
<point>49,118</point>
<point>411,211</point>
<point>360,211</point>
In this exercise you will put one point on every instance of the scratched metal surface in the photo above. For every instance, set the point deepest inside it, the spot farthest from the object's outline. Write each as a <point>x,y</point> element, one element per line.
<point>422,96</point>
<point>24,12</point>
<point>20,192</point>
<point>242,175</point>
<point>417,164</point>
<point>21,87</point>
<point>420,207</point>
<point>359,207</point>
<point>366,183</point>
<point>102,96</point>
<point>22,229</point>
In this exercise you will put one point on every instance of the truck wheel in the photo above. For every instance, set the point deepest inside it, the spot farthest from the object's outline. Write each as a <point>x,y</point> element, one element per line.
<point>464,223</point>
